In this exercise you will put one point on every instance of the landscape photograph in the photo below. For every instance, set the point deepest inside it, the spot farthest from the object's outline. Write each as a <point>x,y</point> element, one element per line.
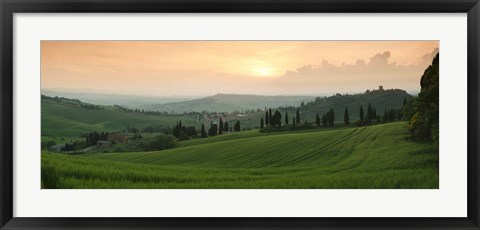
<point>239,114</point>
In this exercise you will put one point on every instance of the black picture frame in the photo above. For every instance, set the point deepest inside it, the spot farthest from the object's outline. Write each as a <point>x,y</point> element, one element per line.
<point>10,7</point>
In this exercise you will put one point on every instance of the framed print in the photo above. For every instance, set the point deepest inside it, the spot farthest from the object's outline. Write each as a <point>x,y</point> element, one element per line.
<point>255,115</point>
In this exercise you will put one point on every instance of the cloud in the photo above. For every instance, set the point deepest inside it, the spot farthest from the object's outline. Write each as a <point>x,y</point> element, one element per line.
<point>378,71</point>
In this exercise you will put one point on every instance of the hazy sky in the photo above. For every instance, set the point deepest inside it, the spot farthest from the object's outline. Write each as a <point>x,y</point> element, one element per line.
<point>167,68</point>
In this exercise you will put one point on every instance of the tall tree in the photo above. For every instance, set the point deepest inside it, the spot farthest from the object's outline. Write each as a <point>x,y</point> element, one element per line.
<point>220,128</point>
<point>203,133</point>
<point>270,122</point>
<point>317,120</point>
<point>277,119</point>
<point>266,118</point>
<point>213,129</point>
<point>324,120</point>
<point>346,117</point>
<point>286,118</point>
<point>331,117</point>
<point>298,116</point>
<point>236,127</point>
<point>225,127</point>
<point>361,113</point>
<point>261,123</point>
<point>294,121</point>
<point>369,113</point>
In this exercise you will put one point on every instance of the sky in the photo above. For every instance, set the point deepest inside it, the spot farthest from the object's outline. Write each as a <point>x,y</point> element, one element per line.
<point>201,68</point>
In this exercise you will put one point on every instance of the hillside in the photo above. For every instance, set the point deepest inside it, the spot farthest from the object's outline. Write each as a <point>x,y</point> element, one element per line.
<point>229,103</point>
<point>130,101</point>
<point>367,157</point>
<point>71,118</point>
<point>380,99</point>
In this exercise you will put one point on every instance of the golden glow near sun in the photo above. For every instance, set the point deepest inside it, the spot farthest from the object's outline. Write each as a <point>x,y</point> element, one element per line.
<point>263,71</point>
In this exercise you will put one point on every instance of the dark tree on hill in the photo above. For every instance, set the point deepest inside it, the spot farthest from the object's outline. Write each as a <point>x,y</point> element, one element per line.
<point>176,130</point>
<point>270,122</point>
<point>182,135</point>
<point>324,120</point>
<point>286,118</point>
<point>369,113</point>
<point>346,117</point>
<point>261,123</point>
<point>213,129</point>
<point>361,113</point>
<point>294,121</point>
<point>266,118</point>
<point>191,131</point>
<point>298,116</point>
<point>231,129</point>
<point>385,116</point>
<point>220,128</point>
<point>331,117</point>
<point>225,127</point>
<point>277,119</point>
<point>317,120</point>
<point>374,113</point>
<point>236,127</point>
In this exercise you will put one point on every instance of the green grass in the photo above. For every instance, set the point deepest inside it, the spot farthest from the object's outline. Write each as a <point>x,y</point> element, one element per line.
<point>377,156</point>
<point>60,120</point>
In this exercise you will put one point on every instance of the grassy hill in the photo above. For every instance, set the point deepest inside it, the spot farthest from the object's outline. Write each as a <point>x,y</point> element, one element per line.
<point>70,118</point>
<point>230,103</point>
<point>377,156</point>
<point>380,99</point>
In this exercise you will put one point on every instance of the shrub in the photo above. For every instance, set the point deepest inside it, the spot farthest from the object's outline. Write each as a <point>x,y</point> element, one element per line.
<point>158,142</point>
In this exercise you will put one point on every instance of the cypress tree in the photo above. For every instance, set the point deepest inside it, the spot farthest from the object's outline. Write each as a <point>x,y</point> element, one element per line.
<point>294,121</point>
<point>331,117</point>
<point>361,113</point>
<point>286,118</point>
<point>346,117</point>
<point>317,120</point>
<point>277,119</point>
<point>225,127</point>
<point>261,123</point>
<point>369,113</point>
<point>220,128</point>
<point>237,126</point>
<point>270,122</point>
<point>298,116</point>
<point>324,120</point>
<point>266,118</point>
<point>203,132</point>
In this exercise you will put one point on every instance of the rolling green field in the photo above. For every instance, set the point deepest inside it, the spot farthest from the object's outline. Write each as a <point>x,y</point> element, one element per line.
<point>378,156</point>
<point>62,120</point>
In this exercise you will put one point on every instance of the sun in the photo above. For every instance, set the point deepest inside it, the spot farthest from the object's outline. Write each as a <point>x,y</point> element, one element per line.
<point>263,71</point>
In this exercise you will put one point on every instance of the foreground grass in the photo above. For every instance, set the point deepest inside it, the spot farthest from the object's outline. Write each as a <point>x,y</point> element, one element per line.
<point>366,157</point>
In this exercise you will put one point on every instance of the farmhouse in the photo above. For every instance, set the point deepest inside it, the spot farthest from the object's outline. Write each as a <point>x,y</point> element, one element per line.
<point>117,138</point>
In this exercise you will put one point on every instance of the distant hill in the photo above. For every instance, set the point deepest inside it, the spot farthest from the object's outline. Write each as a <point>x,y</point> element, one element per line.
<point>380,99</point>
<point>230,103</point>
<point>130,101</point>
